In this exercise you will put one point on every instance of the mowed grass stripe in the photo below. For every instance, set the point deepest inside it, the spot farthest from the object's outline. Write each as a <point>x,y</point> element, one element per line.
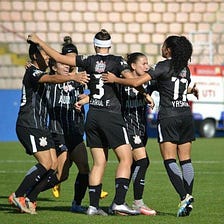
<point>207,156</point>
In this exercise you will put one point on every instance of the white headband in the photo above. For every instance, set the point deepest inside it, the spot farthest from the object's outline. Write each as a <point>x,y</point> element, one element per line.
<point>102,43</point>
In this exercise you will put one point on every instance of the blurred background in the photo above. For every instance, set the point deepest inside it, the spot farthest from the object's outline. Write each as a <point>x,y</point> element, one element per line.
<point>135,25</point>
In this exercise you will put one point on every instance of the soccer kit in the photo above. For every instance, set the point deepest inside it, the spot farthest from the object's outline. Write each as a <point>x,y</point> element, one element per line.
<point>134,113</point>
<point>175,120</point>
<point>66,124</point>
<point>134,109</point>
<point>31,124</point>
<point>105,126</point>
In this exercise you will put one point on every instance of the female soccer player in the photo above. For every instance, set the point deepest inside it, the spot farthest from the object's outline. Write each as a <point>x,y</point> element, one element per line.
<point>175,120</point>
<point>31,125</point>
<point>134,107</point>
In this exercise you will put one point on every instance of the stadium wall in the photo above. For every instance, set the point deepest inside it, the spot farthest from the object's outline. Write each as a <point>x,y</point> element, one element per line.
<point>135,25</point>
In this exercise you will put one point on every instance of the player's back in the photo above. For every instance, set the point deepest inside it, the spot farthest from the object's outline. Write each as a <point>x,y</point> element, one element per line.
<point>103,96</point>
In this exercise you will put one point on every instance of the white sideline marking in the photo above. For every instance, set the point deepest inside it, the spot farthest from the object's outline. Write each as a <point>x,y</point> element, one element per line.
<point>115,161</point>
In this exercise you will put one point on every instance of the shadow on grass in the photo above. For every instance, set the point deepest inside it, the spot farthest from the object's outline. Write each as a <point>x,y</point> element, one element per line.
<point>39,199</point>
<point>5,206</point>
<point>12,209</point>
<point>159,213</point>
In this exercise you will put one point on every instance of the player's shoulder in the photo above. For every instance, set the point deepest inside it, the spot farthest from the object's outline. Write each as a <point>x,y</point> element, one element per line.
<point>165,64</point>
<point>115,57</point>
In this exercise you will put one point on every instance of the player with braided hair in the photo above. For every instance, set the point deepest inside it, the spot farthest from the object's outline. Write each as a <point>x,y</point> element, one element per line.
<point>175,121</point>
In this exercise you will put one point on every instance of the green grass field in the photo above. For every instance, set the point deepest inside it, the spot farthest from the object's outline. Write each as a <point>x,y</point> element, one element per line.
<point>208,160</point>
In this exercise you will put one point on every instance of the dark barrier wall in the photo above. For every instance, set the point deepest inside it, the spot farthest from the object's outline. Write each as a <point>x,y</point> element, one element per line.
<point>9,106</point>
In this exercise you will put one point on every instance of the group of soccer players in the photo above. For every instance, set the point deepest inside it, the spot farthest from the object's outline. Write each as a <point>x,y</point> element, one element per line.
<point>115,120</point>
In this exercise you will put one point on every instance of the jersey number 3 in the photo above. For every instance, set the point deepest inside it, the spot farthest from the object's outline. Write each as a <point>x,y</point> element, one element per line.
<point>99,87</point>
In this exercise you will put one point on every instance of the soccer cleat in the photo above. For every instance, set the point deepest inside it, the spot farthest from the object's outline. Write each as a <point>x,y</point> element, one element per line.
<point>143,209</point>
<point>56,190</point>
<point>31,206</point>
<point>77,208</point>
<point>94,211</point>
<point>184,206</point>
<point>122,209</point>
<point>103,194</point>
<point>189,209</point>
<point>19,202</point>
<point>10,199</point>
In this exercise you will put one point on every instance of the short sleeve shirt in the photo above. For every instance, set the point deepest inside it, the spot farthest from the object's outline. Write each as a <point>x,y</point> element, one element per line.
<point>63,116</point>
<point>33,107</point>
<point>172,89</point>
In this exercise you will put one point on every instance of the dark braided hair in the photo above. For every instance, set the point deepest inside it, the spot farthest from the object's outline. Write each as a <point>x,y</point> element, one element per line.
<point>181,51</point>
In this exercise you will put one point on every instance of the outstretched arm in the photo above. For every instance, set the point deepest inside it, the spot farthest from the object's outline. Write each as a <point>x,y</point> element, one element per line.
<point>129,80</point>
<point>111,78</point>
<point>80,77</point>
<point>65,59</point>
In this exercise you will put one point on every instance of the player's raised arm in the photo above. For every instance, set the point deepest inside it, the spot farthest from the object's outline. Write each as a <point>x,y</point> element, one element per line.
<point>135,82</point>
<point>80,77</point>
<point>65,59</point>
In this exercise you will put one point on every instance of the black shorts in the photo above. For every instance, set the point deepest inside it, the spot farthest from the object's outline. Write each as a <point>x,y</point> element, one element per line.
<point>137,134</point>
<point>66,142</point>
<point>137,141</point>
<point>105,130</point>
<point>34,140</point>
<point>72,140</point>
<point>59,142</point>
<point>178,130</point>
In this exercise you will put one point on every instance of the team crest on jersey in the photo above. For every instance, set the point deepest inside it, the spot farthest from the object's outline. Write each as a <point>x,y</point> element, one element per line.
<point>68,88</point>
<point>37,73</point>
<point>137,139</point>
<point>43,141</point>
<point>100,66</point>
<point>183,73</point>
<point>123,62</point>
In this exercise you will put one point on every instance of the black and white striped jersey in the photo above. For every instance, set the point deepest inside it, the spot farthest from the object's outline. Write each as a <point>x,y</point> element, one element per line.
<point>103,96</point>
<point>134,111</point>
<point>63,116</point>
<point>33,107</point>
